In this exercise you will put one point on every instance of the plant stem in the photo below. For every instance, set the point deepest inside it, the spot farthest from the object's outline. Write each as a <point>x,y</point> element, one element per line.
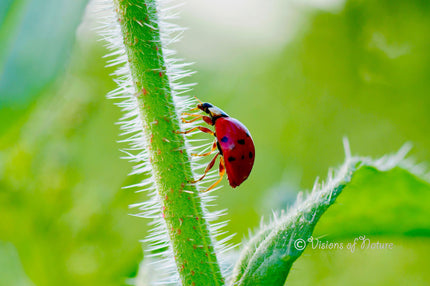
<point>181,205</point>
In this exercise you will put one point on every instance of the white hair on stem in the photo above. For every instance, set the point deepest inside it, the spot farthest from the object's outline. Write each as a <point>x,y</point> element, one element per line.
<point>158,248</point>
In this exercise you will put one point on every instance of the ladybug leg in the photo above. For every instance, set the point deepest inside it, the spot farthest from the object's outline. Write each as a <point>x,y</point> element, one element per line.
<point>208,168</point>
<point>214,147</point>
<point>206,119</point>
<point>197,117</point>
<point>191,114</point>
<point>221,174</point>
<point>201,128</point>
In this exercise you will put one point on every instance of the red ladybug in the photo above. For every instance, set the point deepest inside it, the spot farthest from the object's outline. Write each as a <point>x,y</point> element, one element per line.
<point>233,141</point>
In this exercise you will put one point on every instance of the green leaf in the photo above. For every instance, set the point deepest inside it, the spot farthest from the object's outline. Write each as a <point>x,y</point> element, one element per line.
<point>268,256</point>
<point>377,203</point>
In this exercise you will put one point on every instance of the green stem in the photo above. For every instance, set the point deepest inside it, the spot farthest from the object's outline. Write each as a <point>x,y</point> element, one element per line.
<point>182,209</point>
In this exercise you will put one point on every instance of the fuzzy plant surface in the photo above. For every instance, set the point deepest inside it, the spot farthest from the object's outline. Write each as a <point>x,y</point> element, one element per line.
<point>182,247</point>
<point>268,256</point>
<point>148,84</point>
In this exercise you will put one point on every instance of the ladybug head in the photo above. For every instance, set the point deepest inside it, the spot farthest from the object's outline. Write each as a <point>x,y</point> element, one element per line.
<point>213,111</point>
<point>205,107</point>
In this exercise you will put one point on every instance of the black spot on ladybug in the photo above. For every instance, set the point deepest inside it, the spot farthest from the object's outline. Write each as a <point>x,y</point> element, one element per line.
<point>243,157</point>
<point>247,135</point>
<point>251,155</point>
<point>241,141</point>
<point>231,159</point>
<point>224,139</point>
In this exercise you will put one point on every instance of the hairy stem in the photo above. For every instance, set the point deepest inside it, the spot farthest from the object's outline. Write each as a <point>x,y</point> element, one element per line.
<point>182,210</point>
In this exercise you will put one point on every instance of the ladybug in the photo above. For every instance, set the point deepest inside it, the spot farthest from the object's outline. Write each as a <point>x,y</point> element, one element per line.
<point>233,141</point>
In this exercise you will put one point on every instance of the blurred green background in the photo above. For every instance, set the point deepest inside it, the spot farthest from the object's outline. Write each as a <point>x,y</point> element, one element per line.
<point>299,74</point>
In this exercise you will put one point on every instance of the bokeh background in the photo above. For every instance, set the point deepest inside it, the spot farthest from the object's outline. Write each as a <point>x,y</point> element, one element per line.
<point>300,75</point>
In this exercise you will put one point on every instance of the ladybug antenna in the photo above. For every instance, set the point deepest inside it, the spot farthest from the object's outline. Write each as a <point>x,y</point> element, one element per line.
<point>198,100</point>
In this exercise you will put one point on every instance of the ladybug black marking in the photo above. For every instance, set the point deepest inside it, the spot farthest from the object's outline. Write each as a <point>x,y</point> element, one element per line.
<point>241,141</point>
<point>231,159</point>
<point>251,155</point>
<point>224,139</point>
<point>219,148</point>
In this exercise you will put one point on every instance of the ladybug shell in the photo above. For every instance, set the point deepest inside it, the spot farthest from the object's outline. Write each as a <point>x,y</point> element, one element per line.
<point>236,146</point>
